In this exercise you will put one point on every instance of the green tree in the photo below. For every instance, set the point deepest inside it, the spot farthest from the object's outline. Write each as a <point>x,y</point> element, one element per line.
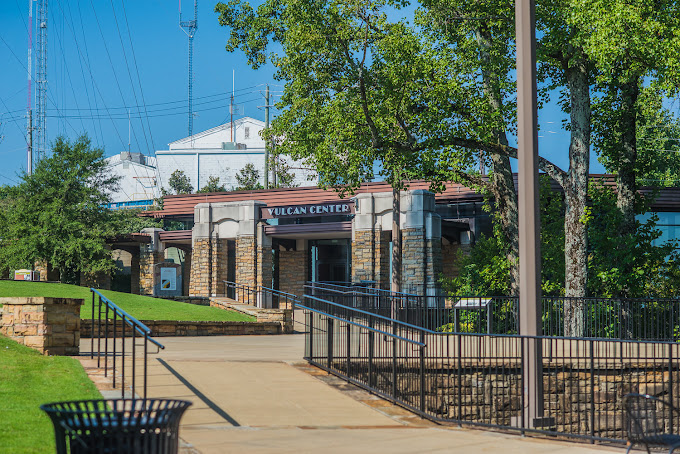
<point>213,185</point>
<point>284,177</point>
<point>180,183</point>
<point>58,214</point>
<point>248,178</point>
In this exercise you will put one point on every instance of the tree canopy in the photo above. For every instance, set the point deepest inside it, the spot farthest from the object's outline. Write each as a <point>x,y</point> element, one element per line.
<point>59,213</point>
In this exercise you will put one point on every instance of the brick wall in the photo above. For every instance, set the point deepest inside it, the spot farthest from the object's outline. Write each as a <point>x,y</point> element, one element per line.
<point>293,271</point>
<point>49,325</point>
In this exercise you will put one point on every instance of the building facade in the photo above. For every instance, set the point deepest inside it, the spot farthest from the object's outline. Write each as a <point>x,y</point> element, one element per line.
<point>220,153</point>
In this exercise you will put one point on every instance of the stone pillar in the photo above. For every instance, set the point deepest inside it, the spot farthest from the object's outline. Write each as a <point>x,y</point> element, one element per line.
<point>47,271</point>
<point>150,254</point>
<point>265,273</point>
<point>246,252</point>
<point>49,325</point>
<point>247,243</point>
<point>371,233</point>
<point>134,273</point>
<point>421,242</point>
<point>214,225</point>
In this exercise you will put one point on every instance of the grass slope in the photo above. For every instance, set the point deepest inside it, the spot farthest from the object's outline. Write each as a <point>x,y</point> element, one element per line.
<point>27,380</point>
<point>139,306</point>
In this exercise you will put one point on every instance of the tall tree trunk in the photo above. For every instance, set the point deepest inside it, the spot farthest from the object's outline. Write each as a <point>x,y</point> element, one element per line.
<point>502,182</point>
<point>575,237</point>
<point>626,184</point>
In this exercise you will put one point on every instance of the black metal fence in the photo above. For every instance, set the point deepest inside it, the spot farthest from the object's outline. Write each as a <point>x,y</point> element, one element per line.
<point>609,318</point>
<point>479,378</point>
<point>260,296</point>
<point>112,327</point>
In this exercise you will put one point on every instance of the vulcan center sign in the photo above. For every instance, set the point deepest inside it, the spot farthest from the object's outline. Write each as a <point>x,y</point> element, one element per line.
<point>298,211</point>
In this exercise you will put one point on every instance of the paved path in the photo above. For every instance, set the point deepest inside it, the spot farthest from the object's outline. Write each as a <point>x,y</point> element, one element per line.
<point>251,394</point>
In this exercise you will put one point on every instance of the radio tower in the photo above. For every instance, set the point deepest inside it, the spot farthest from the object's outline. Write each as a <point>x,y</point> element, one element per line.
<point>41,82</point>
<point>189,27</point>
<point>29,103</point>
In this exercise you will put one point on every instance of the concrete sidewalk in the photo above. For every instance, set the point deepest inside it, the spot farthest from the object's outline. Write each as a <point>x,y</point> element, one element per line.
<point>249,397</point>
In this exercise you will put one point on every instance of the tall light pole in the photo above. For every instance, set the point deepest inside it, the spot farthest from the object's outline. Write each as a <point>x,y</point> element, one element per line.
<point>529,220</point>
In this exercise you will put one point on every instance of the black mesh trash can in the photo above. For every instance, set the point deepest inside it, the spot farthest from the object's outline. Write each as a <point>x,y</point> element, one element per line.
<point>108,426</point>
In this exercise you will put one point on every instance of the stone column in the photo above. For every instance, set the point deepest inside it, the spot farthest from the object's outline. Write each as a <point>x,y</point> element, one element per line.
<point>150,254</point>
<point>421,242</point>
<point>49,325</point>
<point>247,243</point>
<point>214,225</point>
<point>371,233</point>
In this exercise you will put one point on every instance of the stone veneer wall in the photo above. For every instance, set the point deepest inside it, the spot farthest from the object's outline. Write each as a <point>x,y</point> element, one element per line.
<point>293,272</point>
<point>363,257</point>
<point>371,257</point>
<point>492,394</point>
<point>265,272</point>
<point>413,259</point>
<point>147,260</point>
<point>49,325</point>
<point>163,328</point>
<point>246,260</point>
<point>208,267</point>
<point>47,272</point>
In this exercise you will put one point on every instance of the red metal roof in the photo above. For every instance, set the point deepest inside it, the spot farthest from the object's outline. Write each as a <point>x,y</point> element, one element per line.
<point>182,206</point>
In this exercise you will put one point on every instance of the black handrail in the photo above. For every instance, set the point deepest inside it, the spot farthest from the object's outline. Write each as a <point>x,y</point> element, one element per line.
<point>127,320</point>
<point>475,378</point>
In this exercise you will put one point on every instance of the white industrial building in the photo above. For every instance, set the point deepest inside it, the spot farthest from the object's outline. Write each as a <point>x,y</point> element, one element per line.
<point>216,152</point>
<point>138,183</point>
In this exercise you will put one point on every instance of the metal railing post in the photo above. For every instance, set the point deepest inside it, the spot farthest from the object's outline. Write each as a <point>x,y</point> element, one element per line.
<point>106,342</point>
<point>134,362</point>
<point>329,341</point>
<point>99,331</point>
<point>114,348</point>
<point>592,391</point>
<point>146,340</point>
<point>371,343</point>
<point>349,346</point>
<point>122,384</point>
<point>422,371</point>
<point>92,329</point>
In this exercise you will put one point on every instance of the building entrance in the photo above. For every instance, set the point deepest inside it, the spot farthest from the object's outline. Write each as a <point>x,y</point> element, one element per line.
<point>330,260</point>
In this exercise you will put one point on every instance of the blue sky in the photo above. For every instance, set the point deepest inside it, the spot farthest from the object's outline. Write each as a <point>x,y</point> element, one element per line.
<point>91,84</point>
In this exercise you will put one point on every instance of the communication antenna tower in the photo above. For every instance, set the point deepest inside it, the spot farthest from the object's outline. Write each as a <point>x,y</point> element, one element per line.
<point>39,144</point>
<point>189,27</point>
<point>29,101</point>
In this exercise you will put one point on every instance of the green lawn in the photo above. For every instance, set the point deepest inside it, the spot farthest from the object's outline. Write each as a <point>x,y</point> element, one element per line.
<point>27,380</point>
<point>140,307</point>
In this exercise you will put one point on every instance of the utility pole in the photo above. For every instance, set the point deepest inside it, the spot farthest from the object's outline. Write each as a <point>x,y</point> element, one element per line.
<point>231,104</point>
<point>266,141</point>
<point>529,220</point>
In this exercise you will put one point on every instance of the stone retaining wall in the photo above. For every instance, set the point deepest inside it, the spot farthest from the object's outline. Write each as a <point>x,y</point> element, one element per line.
<point>283,317</point>
<point>49,325</point>
<point>575,397</point>
<point>165,328</point>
